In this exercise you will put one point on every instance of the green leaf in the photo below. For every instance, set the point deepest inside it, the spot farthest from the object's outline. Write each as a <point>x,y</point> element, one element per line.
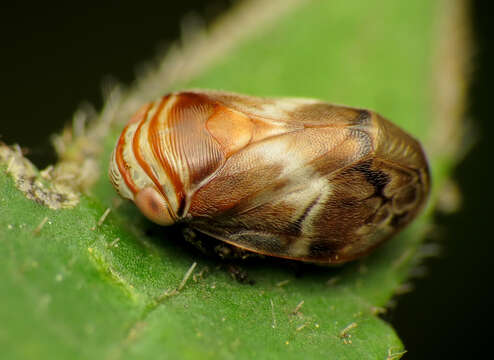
<point>77,286</point>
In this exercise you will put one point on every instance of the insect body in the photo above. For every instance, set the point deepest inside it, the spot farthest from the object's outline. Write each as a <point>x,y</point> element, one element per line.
<point>293,178</point>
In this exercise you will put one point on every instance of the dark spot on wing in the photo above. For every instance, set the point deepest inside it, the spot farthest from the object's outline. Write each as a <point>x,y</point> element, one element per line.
<point>376,178</point>
<point>363,118</point>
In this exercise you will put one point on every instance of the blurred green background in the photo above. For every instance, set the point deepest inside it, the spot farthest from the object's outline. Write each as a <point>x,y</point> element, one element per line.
<point>54,58</point>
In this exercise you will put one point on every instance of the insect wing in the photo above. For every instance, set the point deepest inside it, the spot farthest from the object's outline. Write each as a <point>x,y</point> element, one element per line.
<point>270,196</point>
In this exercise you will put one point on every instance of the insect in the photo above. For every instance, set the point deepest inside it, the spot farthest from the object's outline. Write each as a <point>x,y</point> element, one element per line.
<point>287,177</point>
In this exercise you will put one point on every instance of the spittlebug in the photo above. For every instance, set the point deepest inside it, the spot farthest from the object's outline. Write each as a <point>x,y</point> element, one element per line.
<point>286,177</point>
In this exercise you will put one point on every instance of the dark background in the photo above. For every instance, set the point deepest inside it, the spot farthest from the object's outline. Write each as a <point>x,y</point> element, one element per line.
<point>53,58</point>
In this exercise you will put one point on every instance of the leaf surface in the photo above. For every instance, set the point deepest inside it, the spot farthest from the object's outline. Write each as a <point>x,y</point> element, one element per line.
<point>76,289</point>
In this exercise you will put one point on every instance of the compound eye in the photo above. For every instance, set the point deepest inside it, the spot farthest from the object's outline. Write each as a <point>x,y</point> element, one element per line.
<point>154,206</point>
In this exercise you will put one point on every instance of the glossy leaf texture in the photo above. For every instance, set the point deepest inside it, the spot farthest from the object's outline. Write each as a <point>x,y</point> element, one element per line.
<point>76,289</point>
